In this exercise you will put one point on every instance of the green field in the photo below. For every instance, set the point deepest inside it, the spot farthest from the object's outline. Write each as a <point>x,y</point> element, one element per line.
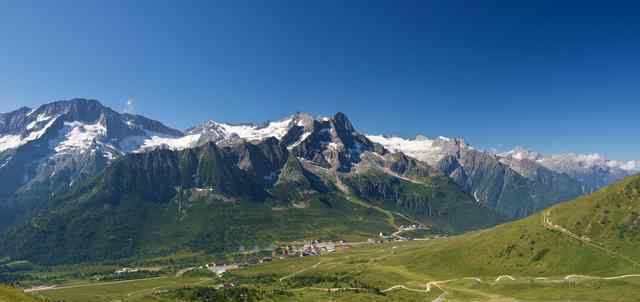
<point>388,272</point>
<point>397,271</point>
<point>130,290</point>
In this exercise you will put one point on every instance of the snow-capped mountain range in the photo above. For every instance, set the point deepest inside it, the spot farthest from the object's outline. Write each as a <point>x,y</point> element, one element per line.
<point>47,149</point>
<point>79,126</point>
<point>211,131</point>
<point>56,144</point>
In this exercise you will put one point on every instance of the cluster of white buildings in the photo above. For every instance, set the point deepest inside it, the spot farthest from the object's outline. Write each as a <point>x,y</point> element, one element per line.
<point>312,248</point>
<point>411,227</point>
<point>126,270</point>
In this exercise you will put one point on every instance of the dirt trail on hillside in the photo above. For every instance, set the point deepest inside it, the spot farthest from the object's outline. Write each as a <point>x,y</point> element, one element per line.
<point>548,224</point>
<point>49,288</point>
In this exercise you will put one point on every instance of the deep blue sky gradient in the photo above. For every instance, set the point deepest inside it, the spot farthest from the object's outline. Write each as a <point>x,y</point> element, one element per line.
<point>554,76</point>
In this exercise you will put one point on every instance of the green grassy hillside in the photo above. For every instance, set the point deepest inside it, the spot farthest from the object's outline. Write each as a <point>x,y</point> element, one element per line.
<point>599,233</point>
<point>195,220</point>
<point>9,294</point>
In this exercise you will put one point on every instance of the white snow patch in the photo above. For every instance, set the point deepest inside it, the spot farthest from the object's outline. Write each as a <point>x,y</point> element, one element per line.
<point>520,153</point>
<point>475,196</point>
<point>15,141</point>
<point>39,119</point>
<point>80,137</point>
<point>276,129</point>
<point>420,148</point>
<point>10,142</point>
<point>37,134</point>
<point>155,140</point>
<point>300,140</point>
<point>6,162</point>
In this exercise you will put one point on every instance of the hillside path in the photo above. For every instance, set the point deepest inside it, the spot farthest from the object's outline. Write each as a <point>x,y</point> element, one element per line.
<point>300,271</point>
<point>548,224</point>
<point>49,288</point>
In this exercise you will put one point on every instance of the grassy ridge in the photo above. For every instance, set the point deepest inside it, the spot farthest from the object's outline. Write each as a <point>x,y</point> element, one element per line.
<point>605,223</point>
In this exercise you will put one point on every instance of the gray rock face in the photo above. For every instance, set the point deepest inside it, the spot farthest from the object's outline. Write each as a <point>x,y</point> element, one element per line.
<point>13,122</point>
<point>331,143</point>
<point>209,132</point>
<point>514,193</point>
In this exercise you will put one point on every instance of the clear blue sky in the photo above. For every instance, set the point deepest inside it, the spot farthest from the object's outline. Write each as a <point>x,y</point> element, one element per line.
<point>554,76</point>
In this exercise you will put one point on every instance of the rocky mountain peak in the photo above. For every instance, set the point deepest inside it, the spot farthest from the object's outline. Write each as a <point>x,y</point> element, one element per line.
<point>342,123</point>
<point>85,110</point>
<point>302,119</point>
<point>330,143</point>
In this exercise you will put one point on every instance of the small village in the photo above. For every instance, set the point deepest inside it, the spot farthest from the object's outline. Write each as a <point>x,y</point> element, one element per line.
<point>306,249</point>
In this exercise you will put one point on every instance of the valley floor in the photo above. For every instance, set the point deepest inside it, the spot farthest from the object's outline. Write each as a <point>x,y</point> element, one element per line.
<point>368,272</point>
<point>389,271</point>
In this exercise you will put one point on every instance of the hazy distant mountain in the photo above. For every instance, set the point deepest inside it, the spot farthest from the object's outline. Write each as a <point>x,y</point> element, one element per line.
<point>593,171</point>
<point>486,177</point>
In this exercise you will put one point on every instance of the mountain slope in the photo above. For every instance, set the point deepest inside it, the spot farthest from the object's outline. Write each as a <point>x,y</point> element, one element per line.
<point>597,234</point>
<point>164,200</point>
<point>488,179</point>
